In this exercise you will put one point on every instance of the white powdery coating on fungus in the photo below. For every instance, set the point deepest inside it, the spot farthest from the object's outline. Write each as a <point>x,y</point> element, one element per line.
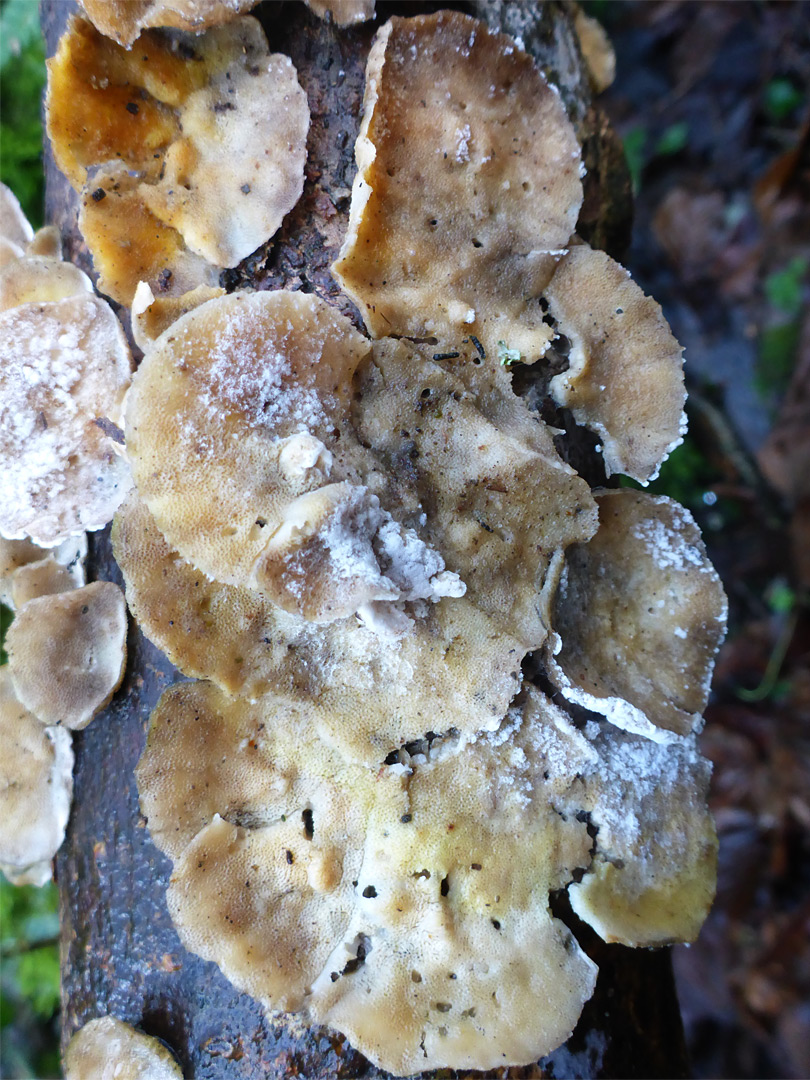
<point>653,876</point>
<point>639,616</point>
<point>369,688</point>
<point>65,365</point>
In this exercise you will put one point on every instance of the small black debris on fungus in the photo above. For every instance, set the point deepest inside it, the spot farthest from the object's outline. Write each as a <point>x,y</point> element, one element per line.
<point>132,108</point>
<point>98,195</point>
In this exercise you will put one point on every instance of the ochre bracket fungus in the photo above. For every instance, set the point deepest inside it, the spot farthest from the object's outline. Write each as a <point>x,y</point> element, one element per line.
<point>159,144</point>
<point>639,616</point>
<point>123,20</point>
<point>397,906</point>
<point>65,366</point>
<point>625,373</point>
<point>467,191</point>
<point>67,651</point>
<point>652,879</point>
<point>36,783</point>
<point>109,1049</point>
<point>268,442</point>
<point>367,693</point>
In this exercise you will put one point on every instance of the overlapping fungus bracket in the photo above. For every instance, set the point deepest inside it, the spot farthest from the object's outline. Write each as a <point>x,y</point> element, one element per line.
<point>65,366</point>
<point>158,144</point>
<point>639,617</point>
<point>468,187</point>
<point>395,905</point>
<point>124,20</point>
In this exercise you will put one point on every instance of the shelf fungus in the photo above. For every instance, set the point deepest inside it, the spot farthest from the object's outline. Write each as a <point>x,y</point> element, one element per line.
<point>36,784</point>
<point>27,570</point>
<point>625,369</point>
<point>467,190</point>
<point>124,20</point>
<point>65,369</point>
<point>108,1049</point>
<point>67,651</point>
<point>351,546</point>
<point>338,523</point>
<point>159,138</point>
<point>406,907</point>
<point>639,617</point>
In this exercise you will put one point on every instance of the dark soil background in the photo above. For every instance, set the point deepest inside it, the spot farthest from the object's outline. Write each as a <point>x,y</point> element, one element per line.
<point>712,102</point>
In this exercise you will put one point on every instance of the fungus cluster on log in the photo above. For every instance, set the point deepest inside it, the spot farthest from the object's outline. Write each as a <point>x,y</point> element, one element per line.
<point>64,368</point>
<point>350,544</point>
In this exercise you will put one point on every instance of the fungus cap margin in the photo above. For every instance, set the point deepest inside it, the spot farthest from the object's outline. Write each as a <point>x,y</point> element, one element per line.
<point>67,653</point>
<point>467,190</point>
<point>639,616</point>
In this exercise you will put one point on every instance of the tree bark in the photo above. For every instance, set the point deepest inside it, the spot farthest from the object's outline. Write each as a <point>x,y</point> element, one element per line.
<point>120,951</point>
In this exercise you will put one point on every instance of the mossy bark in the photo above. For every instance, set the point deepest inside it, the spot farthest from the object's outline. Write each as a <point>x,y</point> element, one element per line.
<point>120,952</point>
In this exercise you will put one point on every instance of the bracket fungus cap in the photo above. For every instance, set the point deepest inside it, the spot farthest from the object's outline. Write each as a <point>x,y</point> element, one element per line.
<point>467,191</point>
<point>124,20</point>
<point>639,616</point>
<point>67,652</point>
<point>338,890</point>
<point>368,693</point>
<point>21,558</point>
<point>625,373</point>
<point>36,783</point>
<point>108,1049</point>
<point>66,364</point>
<point>167,134</point>
<point>653,876</point>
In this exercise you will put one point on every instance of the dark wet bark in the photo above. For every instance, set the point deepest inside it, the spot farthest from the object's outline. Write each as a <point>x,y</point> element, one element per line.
<point>120,952</point>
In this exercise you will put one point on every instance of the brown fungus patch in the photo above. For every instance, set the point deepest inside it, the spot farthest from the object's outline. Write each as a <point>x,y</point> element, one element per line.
<point>66,653</point>
<point>124,20</point>
<point>36,783</point>
<point>625,373</point>
<point>107,1047</point>
<point>355,895</point>
<point>468,187</point>
<point>640,614</point>
<point>160,137</point>
<point>367,693</point>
